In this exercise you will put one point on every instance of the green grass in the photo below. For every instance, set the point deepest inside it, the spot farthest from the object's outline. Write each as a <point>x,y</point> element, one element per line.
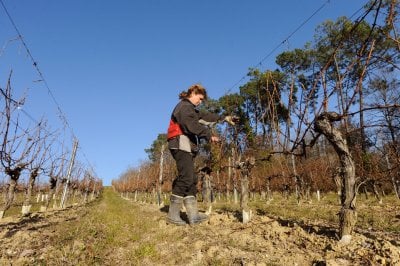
<point>145,250</point>
<point>111,230</point>
<point>371,214</point>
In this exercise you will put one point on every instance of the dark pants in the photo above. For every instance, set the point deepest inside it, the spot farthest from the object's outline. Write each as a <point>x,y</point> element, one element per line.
<point>185,183</point>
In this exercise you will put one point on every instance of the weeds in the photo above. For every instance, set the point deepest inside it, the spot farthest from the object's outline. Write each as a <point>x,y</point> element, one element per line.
<point>145,250</point>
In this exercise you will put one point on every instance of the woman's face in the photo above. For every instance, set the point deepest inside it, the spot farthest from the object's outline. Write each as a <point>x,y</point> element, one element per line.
<point>196,99</point>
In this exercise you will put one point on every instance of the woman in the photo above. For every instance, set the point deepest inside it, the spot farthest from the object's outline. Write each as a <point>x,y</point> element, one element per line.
<point>186,129</point>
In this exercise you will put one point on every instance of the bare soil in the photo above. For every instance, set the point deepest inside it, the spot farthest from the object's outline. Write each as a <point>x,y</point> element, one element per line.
<point>116,231</point>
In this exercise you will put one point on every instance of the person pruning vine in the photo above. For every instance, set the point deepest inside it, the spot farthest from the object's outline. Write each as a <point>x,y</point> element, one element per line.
<point>186,129</point>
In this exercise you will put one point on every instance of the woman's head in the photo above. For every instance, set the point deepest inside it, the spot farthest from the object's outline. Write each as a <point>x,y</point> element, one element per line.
<point>195,94</point>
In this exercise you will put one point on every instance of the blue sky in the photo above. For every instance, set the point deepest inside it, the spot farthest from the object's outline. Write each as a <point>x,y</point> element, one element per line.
<point>116,68</point>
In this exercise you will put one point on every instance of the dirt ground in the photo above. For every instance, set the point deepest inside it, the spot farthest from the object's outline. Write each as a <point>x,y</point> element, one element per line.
<point>40,239</point>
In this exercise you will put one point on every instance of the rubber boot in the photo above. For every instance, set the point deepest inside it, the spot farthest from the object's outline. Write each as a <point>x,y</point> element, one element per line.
<point>175,205</point>
<point>192,212</point>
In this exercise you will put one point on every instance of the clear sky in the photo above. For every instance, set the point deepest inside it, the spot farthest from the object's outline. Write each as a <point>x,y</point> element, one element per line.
<point>115,68</point>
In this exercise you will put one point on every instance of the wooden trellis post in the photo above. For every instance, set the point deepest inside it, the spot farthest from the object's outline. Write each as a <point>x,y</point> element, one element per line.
<point>160,177</point>
<point>71,164</point>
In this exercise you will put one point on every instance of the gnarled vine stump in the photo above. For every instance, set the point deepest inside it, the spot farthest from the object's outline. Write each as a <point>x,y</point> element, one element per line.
<point>348,214</point>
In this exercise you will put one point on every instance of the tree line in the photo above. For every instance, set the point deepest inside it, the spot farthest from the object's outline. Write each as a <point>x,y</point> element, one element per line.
<point>326,119</point>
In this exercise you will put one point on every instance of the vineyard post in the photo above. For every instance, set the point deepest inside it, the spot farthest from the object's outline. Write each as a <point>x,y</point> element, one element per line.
<point>94,190</point>
<point>219,191</point>
<point>160,177</point>
<point>71,164</point>
<point>235,179</point>
<point>229,178</point>
<point>85,197</point>
<point>297,179</point>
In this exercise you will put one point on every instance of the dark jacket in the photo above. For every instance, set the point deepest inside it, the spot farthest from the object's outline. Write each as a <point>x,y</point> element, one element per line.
<point>188,117</point>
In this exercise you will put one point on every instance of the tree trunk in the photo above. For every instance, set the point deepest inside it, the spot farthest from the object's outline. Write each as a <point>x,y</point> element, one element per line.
<point>26,206</point>
<point>14,175</point>
<point>235,187</point>
<point>207,192</point>
<point>53,183</point>
<point>245,169</point>
<point>229,178</point>
<point>297,179</point>
<point>348,213</point>
<point>9,196</point>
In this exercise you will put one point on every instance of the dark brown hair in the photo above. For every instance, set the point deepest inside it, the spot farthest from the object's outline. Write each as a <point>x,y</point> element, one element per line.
<point>196,89</point>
